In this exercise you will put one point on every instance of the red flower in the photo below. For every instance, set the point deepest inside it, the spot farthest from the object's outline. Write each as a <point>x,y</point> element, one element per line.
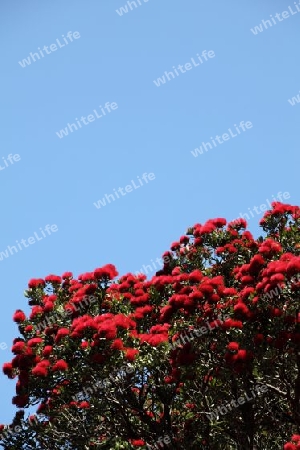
<point>47,350</point>
<point>277,278</point>
<point>123,322</point>
<point>247,279</point>
<point>34,341</point>
<point>219,222</point>
<point>117,344</point>
<point>190,405</point>
<point>233,346</point>
<point>160,328</point>
<point>60,365</point>
<point>36,282</point>
<point>240,307</point>
<point>67,275</point>
<point>32,418</point>
<point>294,266</point>
<point>141,311</point>
<point>130,354</point>
<point>41,407</point>
<point>62,332</point>
<point>242,355</point>
<point>40,370</point>
<point>140,300</point>
<point>175,246</point>
<point>7,369</point>
<point>20,401</point>
<point>289,446</point>
<point>208,227</point>
<point>108,271</point>
<point>18,347</point>
<point>237,224</point>
<point>169,380</point>
<point>154,339</point>
<point>276,312</point>
<point>109,329</point>
<point>195,276</point>
<point>230,323</point>
<point>19,316</point>
<point>53,279</point>
<point>137,442</point>
<point>230,292</point>
<point>35,311</point>
<point>48,307</point>
<point>88,276</point>
<point>184,239</point>
<point>84,405</point>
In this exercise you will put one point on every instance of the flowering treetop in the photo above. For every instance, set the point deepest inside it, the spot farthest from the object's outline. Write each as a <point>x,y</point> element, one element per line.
<point>205,354</point>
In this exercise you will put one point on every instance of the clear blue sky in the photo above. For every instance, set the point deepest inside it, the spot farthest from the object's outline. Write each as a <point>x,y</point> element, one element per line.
<point>116,58</point>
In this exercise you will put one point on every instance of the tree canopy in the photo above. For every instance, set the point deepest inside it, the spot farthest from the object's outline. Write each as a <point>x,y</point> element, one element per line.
<point>204,355</point>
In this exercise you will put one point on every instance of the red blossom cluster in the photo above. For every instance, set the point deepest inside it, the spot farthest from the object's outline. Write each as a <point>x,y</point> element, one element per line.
<point>294,444</point>
<point>200,328</point>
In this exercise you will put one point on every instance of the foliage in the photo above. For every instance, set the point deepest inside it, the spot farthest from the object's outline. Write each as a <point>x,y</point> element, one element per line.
<point>206,354</point>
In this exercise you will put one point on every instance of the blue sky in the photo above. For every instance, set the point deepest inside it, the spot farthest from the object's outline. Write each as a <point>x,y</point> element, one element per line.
<point>115,59</point>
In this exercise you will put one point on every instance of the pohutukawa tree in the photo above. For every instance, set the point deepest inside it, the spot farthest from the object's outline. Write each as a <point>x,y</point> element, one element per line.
<point>205,355</point>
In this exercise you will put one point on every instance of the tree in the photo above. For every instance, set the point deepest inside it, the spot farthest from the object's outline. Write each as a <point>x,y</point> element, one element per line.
<point>206,354</point>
